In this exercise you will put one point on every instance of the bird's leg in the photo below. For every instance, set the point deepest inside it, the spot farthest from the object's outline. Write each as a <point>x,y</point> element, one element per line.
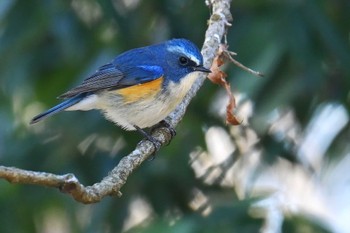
<point>155,142</point>
<point>166,124</point>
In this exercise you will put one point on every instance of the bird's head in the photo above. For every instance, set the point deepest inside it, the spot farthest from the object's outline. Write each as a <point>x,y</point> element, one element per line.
<point>182,57</point>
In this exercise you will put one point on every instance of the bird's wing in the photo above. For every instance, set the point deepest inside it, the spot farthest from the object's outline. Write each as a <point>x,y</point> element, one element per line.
<point>110,77</point>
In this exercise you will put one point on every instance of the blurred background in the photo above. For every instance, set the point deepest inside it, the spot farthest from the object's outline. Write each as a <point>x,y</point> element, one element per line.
<point>285,169</point>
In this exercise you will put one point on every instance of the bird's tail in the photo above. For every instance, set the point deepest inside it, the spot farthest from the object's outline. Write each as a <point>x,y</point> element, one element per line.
<point>58,108</point>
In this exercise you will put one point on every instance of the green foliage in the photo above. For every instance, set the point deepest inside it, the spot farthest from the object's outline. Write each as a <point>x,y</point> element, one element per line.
<point>46,47</point>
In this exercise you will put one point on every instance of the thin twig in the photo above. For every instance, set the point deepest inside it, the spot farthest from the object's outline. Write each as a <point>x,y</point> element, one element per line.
<point>240,65</point>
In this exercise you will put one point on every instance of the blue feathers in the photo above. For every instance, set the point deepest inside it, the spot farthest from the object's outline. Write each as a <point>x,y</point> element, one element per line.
<point>58,108</point>
<point>155,70</point>
<point>163,70</point>
<point>185,47</point>
<point>139,75</point>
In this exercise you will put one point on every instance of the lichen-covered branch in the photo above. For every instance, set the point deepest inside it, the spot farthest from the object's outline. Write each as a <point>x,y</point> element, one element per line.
<point>114,181</point>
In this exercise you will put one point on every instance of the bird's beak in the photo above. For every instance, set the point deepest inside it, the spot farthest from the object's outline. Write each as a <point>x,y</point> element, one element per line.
<point>202,69</point>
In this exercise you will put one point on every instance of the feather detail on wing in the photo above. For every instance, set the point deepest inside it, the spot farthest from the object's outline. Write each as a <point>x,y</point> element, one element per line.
<point>105,77</point>
<point>110,77</point>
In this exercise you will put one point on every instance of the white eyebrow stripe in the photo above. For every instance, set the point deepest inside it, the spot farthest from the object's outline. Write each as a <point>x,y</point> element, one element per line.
<point>179,49</point>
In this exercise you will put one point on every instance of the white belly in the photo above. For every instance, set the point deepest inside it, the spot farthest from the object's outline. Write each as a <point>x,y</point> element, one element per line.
<point>144,113</point>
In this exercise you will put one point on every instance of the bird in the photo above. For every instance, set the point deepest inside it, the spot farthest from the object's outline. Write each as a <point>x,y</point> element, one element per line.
<point>139,88</point>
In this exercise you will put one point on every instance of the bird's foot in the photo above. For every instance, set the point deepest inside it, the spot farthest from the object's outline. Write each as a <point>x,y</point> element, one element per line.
<point>157,144</point>
<point>169,127</point>
<point>166,125</point>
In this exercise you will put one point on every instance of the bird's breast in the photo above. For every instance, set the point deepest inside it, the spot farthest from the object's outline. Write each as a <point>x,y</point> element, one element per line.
<point>179,89</point>
<point>146,104</point>
<point>141,91</point>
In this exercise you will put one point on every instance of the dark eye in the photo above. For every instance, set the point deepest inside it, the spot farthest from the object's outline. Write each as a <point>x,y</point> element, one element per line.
<point>183,61</point>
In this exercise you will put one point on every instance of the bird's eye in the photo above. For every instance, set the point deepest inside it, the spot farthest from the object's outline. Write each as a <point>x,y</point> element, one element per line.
<point>183,61</point>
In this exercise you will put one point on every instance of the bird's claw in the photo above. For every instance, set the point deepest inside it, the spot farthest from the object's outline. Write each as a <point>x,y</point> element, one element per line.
<point>166,125</point>
<point>157,144</point>
<point>169,127</point>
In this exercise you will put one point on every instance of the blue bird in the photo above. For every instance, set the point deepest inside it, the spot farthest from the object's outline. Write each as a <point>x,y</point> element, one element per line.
<point>139,88</point>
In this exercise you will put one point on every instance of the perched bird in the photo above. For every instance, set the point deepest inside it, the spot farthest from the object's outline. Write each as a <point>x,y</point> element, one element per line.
<point>138,88</point>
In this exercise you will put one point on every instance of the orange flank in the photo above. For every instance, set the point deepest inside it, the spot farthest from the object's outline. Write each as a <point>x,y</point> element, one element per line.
<point>141,91</point>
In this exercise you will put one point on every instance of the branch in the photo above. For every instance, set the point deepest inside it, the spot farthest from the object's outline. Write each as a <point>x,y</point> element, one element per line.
<point>114,181</point>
